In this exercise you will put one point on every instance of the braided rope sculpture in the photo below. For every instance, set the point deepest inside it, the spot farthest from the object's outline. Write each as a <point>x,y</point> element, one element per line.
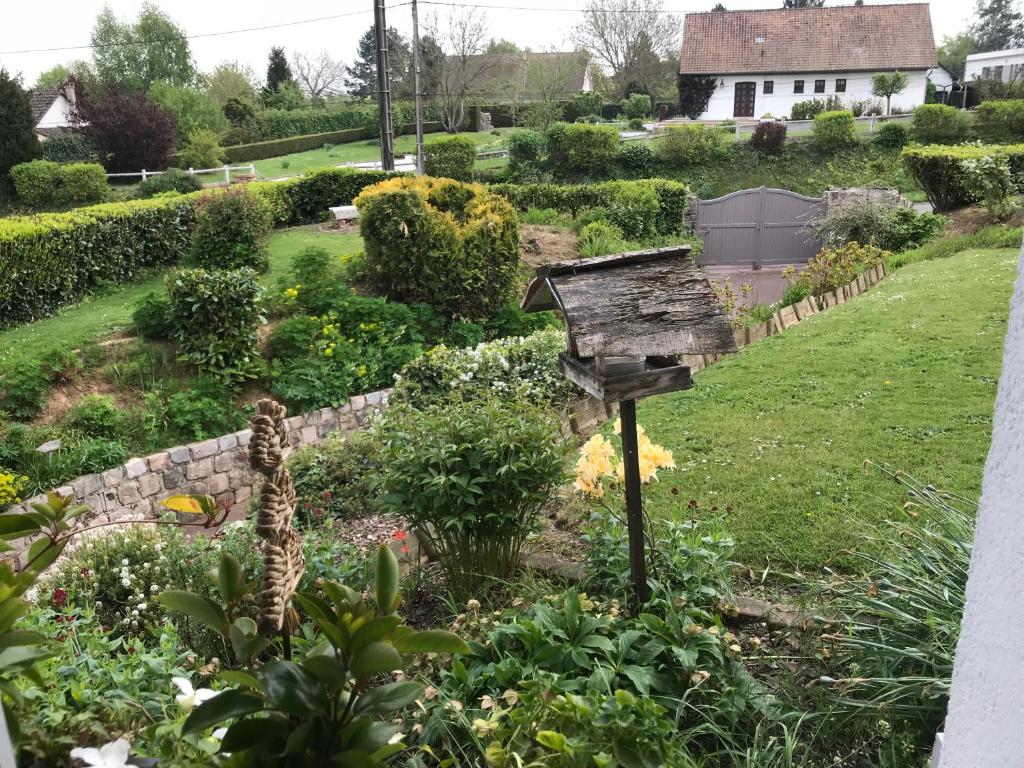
<point>283,562</point>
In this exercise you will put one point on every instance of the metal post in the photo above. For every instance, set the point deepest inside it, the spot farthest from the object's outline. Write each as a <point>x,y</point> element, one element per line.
<point>227,175</point>
<point>416,86</point>
<point>634,502</point>
<point>387,133</point>
<point>143,174</point>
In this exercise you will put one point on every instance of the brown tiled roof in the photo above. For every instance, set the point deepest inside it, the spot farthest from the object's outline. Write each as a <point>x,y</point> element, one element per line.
<point>838,38</point>
<point>42,99</point>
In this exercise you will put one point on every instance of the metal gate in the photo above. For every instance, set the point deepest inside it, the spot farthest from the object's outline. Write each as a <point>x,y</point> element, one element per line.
<point>757,226</point>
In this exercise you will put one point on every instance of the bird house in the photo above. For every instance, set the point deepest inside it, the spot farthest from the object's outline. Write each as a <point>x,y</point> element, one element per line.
<point>629,316</point>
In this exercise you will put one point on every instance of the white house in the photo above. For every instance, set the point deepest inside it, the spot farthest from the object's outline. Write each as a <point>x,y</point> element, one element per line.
<point>766,61</point>
<point>53,109</point>
<point>1005,65</point>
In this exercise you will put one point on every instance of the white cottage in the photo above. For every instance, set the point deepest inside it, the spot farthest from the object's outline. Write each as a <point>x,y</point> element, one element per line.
<point>53,109</point>
<point>1007,65</point>
<point>766,61</point>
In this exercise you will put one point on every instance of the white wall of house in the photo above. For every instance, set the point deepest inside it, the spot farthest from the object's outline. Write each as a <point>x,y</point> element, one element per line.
<point>780,102</point>
<point>995,65</point>
<point>58,115</point>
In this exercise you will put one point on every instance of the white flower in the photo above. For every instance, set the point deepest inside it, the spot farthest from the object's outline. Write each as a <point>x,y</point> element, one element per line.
<point>189,696</point>
<point>220,733</point>
<point>124,562</point>
<point>112,755</point>
<point>154,588</point>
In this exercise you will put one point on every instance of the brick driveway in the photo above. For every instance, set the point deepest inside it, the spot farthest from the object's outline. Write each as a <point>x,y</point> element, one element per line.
<point>768,281</point>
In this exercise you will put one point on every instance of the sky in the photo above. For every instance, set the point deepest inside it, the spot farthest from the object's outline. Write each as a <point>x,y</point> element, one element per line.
<point>25,26</point>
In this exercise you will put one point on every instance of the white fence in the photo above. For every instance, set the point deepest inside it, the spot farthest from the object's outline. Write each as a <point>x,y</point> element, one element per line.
<point>226,169</point>
<point>805,126</point>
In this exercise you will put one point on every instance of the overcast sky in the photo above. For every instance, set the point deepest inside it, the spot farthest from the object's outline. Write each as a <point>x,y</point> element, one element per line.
<point>67,23</point>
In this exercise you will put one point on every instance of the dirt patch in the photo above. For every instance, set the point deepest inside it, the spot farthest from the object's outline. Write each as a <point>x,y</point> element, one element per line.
<point>541,245</point>
<point>967,221</point>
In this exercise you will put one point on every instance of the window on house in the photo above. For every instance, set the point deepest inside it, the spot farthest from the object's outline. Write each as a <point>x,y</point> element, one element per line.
<point>840,85</point>
<point>819,86</point>
<point>769,86</point>
<point>997,73</point>
<point>798,86</point>
<point>986,72</point>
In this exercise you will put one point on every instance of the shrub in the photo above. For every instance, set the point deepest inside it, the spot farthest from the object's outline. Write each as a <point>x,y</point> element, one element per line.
<point>525,150</point>
<point>292,337</point>
<point>11,486</point>
<point>23,391</point>
<point>689,145</point>
<point>769,137</point>
<point>453,246</point>
<point>867,221</point>
<point>58,258</point>
<point>891,135</point>
<point>831,268</point>
<point>939,124</point>
<point>171,180</point>
<point>806,110</point>
<point>130,131</point>
<point>940,172</point>
<point>231,231</point>
<point>582,150</point>
<point>152,317</point>
<point>636,159</point>
<point>633,208</point>
<point>473,477</point>
<point>600,238</point>
<point>336,477</point>
<point>305,199</point>
<point>204,408</point>
<point>637,106</point>
<point>988,179</point>
<point>833,130</point>
<point>202,150</point>
<point>523,367</point>
<point>97,416</point>
<point>1000,121</point>
<point>261,150</point>
<point>451,158</point>
<point>216,316</point>
<point>68,148</point>
<point>635,124</point>
<point>37,182</point>
<point>83,182</point>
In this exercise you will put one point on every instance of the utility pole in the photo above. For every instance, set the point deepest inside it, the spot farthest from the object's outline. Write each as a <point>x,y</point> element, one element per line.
<point>416,86</point>
<point>387,131</point>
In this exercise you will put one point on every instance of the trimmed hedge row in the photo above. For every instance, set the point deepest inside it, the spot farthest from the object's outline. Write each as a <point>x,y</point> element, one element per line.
<point>938,170</point>
<point>261,150</point>
<point>998,121</point>
<point>281,123</point>
<point>572,198</point>
<point>54,259</point>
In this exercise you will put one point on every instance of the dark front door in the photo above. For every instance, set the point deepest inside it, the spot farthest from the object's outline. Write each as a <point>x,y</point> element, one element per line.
<point>743,104</point>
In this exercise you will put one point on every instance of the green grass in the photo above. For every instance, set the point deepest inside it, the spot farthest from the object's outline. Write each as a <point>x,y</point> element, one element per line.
<point>352,152</point>
<point>99,316</point>
<point>906,374</point>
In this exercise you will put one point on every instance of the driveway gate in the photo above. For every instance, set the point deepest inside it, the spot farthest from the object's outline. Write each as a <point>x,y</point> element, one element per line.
<point>757,226</point>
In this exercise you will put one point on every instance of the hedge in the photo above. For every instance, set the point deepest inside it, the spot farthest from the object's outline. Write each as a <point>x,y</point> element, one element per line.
<point>282,124</point>
<point>1000,121</point>
<point>261,150</point>
<point>572,198</point>
<point>937,169</point>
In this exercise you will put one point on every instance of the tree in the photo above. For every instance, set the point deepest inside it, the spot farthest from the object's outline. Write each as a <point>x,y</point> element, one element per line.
<point>18,142</point>
<point>625,35</point>
<point>549,81</point>
<point>53,77</point>
<point>129,129</point>
<point>803,3</point>
<point>888,84</point>
<point>463,41</point>
<point>279,72</point>
<point>193,110</point>
<point>134,56</point>
<point>695,93</point>
<point>645,71</point>
<point>953,53</point>
<point>501,45</point>
<point>319,75</point>
<point>232,80</point>
<point>719,8</point>
<point>361,77</point>
<point>999,25</point>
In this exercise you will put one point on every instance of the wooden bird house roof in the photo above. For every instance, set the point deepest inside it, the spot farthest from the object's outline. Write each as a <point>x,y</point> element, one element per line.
<point>645,303</point>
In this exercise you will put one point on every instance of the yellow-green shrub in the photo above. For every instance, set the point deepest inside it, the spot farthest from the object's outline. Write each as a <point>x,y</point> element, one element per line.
<point>36,182</point>
<point>83,182</point>
<point>833,130</point>
<point>451,245</point>
<point>940,172</point>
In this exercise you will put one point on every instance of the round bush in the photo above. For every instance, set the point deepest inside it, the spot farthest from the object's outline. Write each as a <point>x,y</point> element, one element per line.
<point>636,159</point>
<point>231,231</point>
<point>37,182</point>
<point>769,137</point>
<point>152,317</point>
<point>689,145</point>
<point>891,135</point>
<point>171,180</point>
<point>833,130</point>
<point>84,182</point>
<point>579,149</point>
<point>940,124</point>
<point>450,158</point>
<point>635,124</point>
<point>525,149</point>
<point>451,245</point>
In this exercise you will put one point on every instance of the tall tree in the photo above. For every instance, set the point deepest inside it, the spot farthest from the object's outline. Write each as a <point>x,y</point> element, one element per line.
<point>193,110</point>
<point>998,25</point>
<point>803,3</point>
<point>279,72</point>
<point>318,74</point>
<point>130,130</point>
<point>133,56</point>
<point>953,53</point>
<point>232,80</point>
<point>18,142</point>
<point>463,40</point>
<point>361,76</point>
<point>646,70</point>
<point>54,76</point>
<point>621,33</point>
<point>719,8</point>
<point>501,45</point>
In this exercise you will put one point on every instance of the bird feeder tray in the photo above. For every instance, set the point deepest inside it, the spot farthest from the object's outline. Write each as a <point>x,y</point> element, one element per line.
<point>653,375</point>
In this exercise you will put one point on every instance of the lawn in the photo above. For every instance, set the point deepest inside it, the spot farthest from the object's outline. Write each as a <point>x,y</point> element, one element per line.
<point>99,316</point>
<point>354,152</point>
<point>777,436</point>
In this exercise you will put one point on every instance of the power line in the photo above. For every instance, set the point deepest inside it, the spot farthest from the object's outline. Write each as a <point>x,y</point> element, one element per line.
<point>491,7</point>
<point>147,41</point>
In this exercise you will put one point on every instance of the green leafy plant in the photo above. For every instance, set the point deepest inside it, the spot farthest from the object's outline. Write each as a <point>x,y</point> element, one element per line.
<point>866,221</point>
<point>637,106</point>
<point>939,170</point>
<point>769,137</point>
<point>525,152</point>
<point>689,145</point>
<point>577,150</point>
<point>171,180</point>
<point>473,477</point>
<point>329,705</point>
<point>97,416</point>
<point>152,317</point>
<point>1000,121</point>
<point>37,182</point>
<point>336,477</point>
<point>891,135</point>
<point>989,179</point>
<point>600,238</point>
<point>83,183</point>
<point>636,159</point>
<point>833,130</point>
<point>202,149</point>
<point>451,158</point>
<point>216,316</point>
<point>940,124</point>
<point>231,231</point>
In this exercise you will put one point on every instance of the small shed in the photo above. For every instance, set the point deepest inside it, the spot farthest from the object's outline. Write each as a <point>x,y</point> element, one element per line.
<point>629,316</point>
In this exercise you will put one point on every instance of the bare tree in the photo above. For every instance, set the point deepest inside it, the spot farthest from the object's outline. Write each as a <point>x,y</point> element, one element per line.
<point>463,39</point>
<point>617,32</point>
<point>319,75</point>
<point>552,77</point>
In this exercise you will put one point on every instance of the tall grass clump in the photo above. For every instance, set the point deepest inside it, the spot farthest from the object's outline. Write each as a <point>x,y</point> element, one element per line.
<point>993,236</point>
